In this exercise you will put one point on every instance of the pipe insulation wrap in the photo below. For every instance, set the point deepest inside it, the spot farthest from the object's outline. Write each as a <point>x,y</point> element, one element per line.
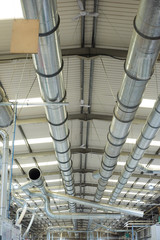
<point>48,65</point>
<point>142,54</point>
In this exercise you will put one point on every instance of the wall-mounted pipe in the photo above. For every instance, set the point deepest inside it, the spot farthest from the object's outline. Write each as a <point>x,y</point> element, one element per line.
<point>45,194</point>
<point>148,133</point>
<point>4,174</point>
<point>48,65</point>
<point>142,54</point>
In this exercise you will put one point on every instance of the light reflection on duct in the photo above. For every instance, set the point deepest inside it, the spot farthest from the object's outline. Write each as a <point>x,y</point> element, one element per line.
<point>142,54</point>
<point>48,65</point>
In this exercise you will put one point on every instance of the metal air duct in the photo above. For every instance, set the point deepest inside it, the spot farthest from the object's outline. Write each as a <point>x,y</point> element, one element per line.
<point>4,175</point>
<point>142,54</point>
<point>6,112</point>
<point>37,180</point>
<point>48,66</point>
<point>148,133</point>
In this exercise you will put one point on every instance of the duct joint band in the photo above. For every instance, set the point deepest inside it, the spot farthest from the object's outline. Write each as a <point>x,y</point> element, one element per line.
<point>125,106</point>
<point>64,151</point>
<point>137,159</point>
<point>111,156</point>
<point>117,137</point>
<point>69,169</point>
<point>132,77</point>
<point>141,34</point>
<point>115,145</point>
<point>157,109</point>
<point>60,140</point>
<point>51,31</point>
<point>152,126</point>
<point>129,169</point>
<point>72,179</point>
<point>58,124</point>
<point>51,75</point>
<point>120,120</point>
<point>99,194</point>
<point>103,186</point>
<point>64,162</point>
<point>71,185</point>
<point>100,189</point>
<point>146,137</point>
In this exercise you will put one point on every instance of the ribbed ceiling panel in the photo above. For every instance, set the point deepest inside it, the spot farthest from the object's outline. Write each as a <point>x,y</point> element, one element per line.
<point>115,23</point>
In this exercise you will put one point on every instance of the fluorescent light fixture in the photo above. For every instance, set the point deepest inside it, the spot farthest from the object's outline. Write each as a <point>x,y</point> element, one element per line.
<point>123,192</point>
<point>121,163</point>
<point>108,190</point>
<point>112,180</point>
<point>27,165</point>
<point>41,164</point>
<point>150,195</point>
<point>132,193</point>
<point>130,182</point>
<point>59,190</point>
<point>10,9</point>
<point>53,180</point>
<point>30,141</point>
<point>124,200</point>
<point>105,198</point>
<point>147,103</point>
<point>133,141</point>
<point>40,140</point>
<point>141,194</point>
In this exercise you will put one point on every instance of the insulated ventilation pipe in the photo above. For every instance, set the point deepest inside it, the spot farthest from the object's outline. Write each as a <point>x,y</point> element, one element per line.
<point>48,66</point>
<point>148,133</point>
<point>142,54</point>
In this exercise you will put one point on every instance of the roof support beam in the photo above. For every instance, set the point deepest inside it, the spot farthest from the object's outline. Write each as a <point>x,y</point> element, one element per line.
<point>86,52</point>
<point>82,116</point>
<point>77,151</point>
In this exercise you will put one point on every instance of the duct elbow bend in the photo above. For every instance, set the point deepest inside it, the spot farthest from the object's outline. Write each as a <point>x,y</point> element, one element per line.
<point>36,177</point>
